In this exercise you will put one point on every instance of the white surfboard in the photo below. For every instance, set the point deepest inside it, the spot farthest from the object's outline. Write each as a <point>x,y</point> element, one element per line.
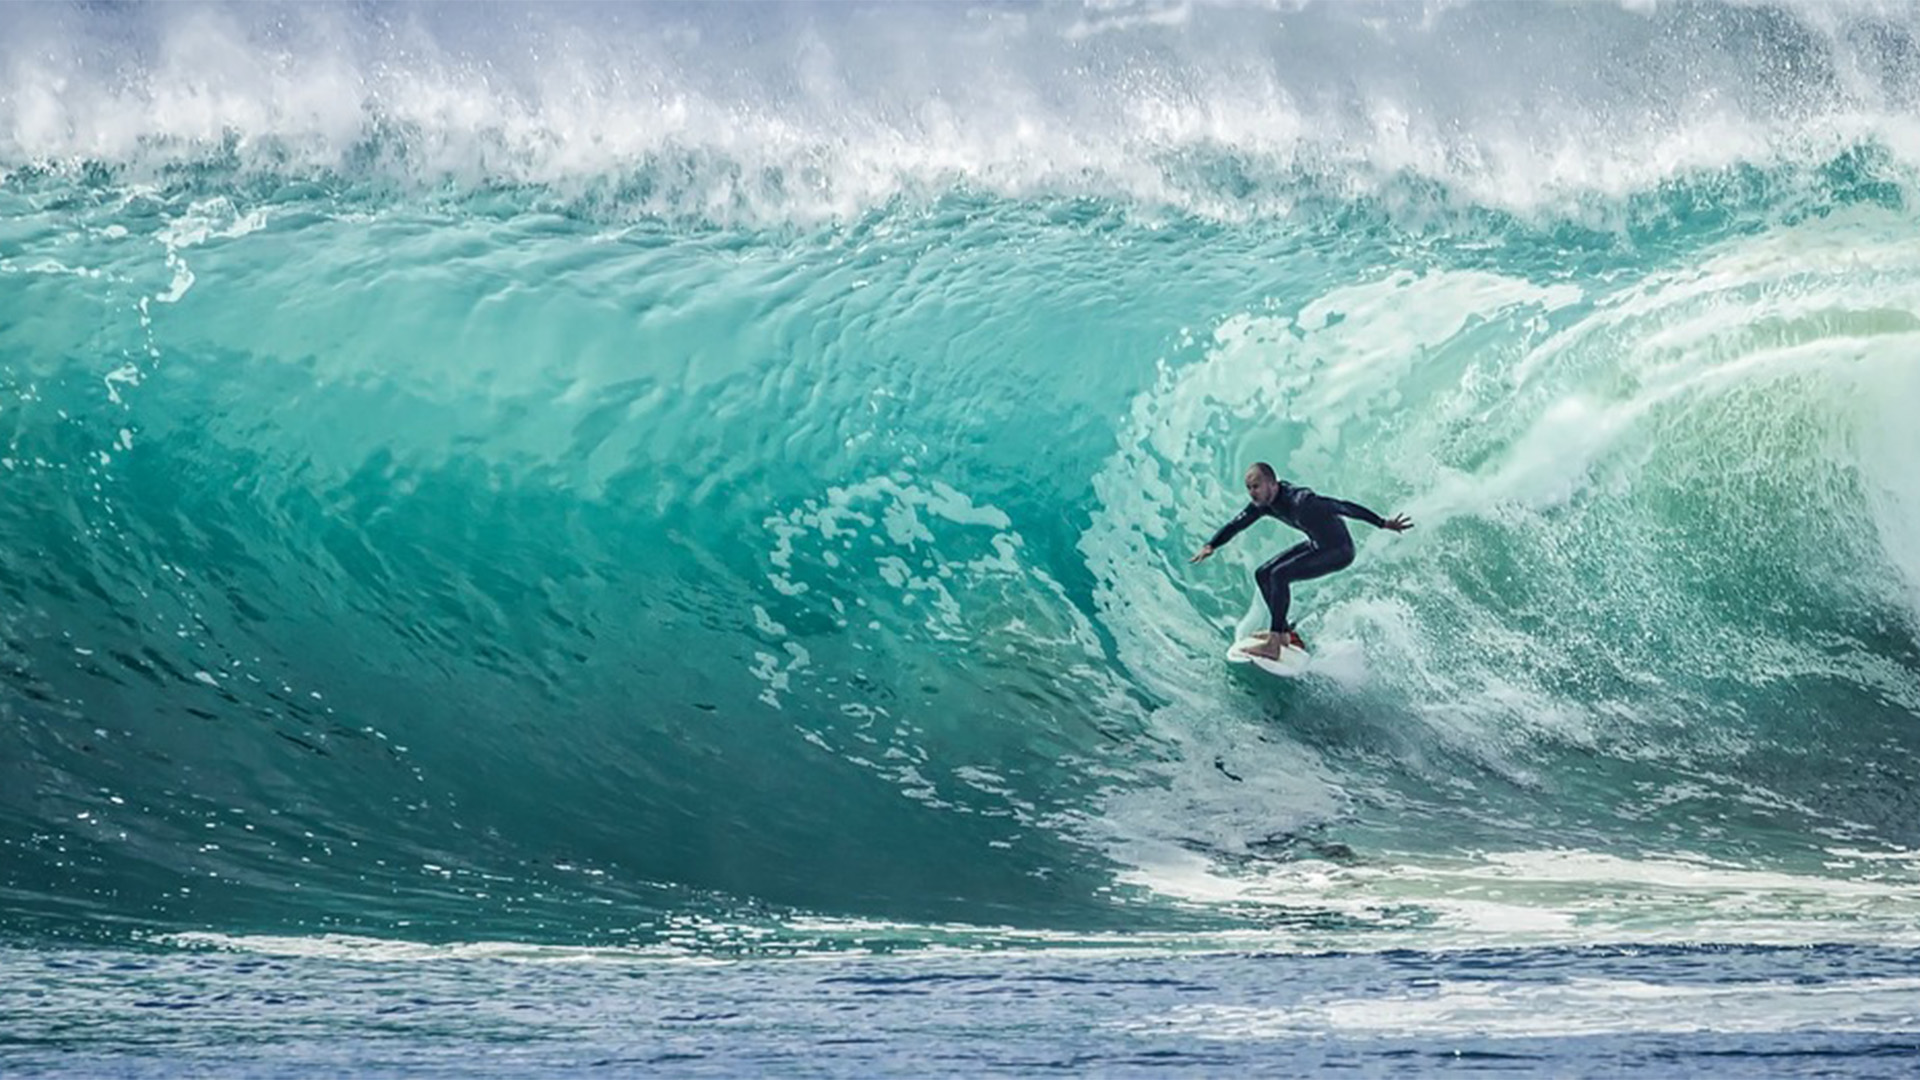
<point>1292,663</point>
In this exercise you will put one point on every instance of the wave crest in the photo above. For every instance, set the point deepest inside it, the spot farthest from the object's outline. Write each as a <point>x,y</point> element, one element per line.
<point>757,114</point>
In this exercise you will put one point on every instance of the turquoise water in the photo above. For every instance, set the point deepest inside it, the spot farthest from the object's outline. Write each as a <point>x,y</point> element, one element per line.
<point>714,485</point>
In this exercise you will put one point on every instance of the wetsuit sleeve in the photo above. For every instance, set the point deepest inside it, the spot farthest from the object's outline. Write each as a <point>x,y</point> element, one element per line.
<point>1355,510</point>
<point>1235,527</point>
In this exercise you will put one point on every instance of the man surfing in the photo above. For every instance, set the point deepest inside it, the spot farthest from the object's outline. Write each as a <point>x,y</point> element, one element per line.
<point>1328,546</point>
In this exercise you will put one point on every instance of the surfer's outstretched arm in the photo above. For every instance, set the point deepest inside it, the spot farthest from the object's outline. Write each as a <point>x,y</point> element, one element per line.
<point>1397,523</point>
<point>1355,510</point>
<point>1230,530</point>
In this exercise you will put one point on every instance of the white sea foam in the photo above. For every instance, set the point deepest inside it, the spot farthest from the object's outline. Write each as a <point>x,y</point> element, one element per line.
<point>825,110</point>
<point>1502,1009</point>
<point>1503,899</point>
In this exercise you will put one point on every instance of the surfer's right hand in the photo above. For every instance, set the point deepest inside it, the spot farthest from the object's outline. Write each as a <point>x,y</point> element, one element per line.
<point>1201,554</point>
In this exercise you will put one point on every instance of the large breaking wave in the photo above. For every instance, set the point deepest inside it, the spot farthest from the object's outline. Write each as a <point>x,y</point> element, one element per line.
<point>670,475</point>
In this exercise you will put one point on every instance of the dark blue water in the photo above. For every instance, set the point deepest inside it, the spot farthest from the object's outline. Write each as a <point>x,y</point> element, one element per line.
<point>1580,1012</point>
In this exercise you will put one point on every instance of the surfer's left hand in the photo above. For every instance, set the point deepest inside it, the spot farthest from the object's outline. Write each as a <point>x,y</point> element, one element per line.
<point>1398,523</point>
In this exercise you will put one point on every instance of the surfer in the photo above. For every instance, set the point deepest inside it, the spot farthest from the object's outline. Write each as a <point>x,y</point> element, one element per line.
<point>1328,546</point>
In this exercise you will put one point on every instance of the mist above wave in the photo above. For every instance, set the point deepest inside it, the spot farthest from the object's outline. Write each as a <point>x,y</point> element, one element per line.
<point>822,111</point>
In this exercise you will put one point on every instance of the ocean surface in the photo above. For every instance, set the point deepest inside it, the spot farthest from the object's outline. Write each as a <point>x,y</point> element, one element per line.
<point>654,538</point>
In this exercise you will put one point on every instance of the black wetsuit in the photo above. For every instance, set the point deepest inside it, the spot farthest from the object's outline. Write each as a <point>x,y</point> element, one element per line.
<point>1328,546</point>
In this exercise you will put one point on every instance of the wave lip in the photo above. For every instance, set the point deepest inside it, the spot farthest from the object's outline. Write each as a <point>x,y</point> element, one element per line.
<point>755,113</point>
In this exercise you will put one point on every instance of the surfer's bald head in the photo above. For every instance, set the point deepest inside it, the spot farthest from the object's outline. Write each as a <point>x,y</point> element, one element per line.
<point>1262,484</point>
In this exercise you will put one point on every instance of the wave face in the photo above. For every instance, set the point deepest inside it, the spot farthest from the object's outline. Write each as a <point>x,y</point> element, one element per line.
<point>704,476</point>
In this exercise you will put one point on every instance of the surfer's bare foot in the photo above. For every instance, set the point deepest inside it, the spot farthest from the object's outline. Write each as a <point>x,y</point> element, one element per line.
<point>1269,647</point>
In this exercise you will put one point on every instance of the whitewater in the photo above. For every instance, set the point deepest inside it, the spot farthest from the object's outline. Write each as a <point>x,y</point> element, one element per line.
<point>656,537</point>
